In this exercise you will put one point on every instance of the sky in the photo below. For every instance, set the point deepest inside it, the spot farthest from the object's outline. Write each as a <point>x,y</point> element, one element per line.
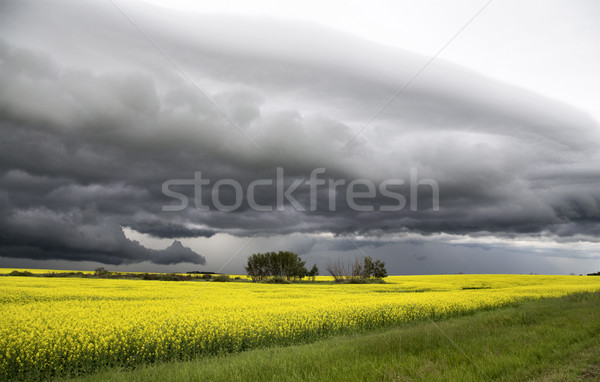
<point>187,135</point>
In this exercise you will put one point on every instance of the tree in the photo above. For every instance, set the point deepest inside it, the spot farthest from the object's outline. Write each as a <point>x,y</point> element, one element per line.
<point>276,264</point>
<point>258,266</point>
<point>379,270</point>
<point>336,269</point>
<point>358,270</point>
<point>314,272</point>
<point>368,267</point>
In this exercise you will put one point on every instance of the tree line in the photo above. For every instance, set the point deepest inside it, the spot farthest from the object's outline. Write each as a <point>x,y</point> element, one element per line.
<point>364,269</point>
<point>288,265</point>
<point>283,264</point>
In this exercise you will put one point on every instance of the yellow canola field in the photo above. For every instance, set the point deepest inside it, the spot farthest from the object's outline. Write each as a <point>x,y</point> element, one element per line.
<point>58,326</point>
<point>5,271</point>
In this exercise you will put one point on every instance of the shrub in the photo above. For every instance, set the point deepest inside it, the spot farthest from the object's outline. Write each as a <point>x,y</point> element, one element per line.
<point>357,280</point>
<point>64,274</point>
<point>169,277</point>
<point>20,273</point>
<point>276,280</point>
<point>101,272</point>
<point>222,278</point>
<point>360,280</point>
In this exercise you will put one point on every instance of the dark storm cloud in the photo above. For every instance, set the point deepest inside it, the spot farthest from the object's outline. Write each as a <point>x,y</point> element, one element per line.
<point>169,230</point>
<point>93,120</point>
<point>79,235</point>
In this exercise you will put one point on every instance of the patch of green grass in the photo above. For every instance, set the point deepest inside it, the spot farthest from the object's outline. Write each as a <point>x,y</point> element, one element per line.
<point>546,340</point>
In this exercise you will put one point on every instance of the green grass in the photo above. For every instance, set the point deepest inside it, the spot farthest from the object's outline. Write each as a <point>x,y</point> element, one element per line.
<point>546,340</point>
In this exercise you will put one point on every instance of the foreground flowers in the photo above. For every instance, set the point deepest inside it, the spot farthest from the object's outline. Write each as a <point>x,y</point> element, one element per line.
<point>52,326</point>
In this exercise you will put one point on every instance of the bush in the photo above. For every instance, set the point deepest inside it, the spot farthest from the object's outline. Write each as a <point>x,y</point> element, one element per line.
<point>276,280</point>
<point>221,278</point>
<point>101,272</point>
<point>20,273</point>
<point>64,274</point>
<point>357,280</point>
<point>206,277</point>
<point>169,277</point>
<point>360,280</point>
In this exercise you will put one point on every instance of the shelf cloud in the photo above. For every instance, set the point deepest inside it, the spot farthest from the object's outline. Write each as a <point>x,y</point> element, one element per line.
<point>95,116</point>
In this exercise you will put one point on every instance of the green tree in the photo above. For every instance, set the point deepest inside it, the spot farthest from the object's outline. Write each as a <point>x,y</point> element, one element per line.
<point>276,264</point>
<point>379,270</point>
<point>314,272</point>
<point>258,266</point>
<point>368,267</point>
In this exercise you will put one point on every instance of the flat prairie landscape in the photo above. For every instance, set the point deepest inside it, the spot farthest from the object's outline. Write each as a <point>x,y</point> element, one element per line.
<point>58,327</point>
<point>230,191</point>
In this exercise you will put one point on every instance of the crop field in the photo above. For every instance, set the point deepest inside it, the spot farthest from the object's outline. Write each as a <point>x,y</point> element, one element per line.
<point>52,327</point>
<point>5,271</point>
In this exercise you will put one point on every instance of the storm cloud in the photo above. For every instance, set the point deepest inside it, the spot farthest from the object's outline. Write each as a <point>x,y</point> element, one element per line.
<point>98,111</point>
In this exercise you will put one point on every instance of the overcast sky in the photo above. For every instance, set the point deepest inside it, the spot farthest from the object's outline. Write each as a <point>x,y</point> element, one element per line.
<point>496,102</point>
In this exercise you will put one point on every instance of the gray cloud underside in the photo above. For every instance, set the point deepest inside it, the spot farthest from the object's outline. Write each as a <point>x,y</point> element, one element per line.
<point>93,120</point>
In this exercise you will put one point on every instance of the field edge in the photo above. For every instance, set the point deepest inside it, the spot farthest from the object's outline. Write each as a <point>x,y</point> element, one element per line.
<point>547,339</point>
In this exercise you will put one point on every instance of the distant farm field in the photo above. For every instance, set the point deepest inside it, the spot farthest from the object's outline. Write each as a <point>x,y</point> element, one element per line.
<point>68,326</point>
<point>5,271</point>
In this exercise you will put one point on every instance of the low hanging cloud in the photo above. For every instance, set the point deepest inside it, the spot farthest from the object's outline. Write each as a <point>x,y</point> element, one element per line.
<point>93,121</point>
<point>78,235</point>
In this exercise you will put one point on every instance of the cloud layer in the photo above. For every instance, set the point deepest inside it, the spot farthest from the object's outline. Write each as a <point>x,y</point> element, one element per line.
<point>93,120</point>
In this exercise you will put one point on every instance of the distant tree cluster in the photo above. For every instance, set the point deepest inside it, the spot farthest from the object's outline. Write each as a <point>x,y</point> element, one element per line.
<point>282,264</point>
<point>364,269</point>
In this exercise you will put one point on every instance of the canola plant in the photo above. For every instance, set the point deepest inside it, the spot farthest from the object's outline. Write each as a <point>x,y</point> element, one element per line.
<point>53,327</point>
